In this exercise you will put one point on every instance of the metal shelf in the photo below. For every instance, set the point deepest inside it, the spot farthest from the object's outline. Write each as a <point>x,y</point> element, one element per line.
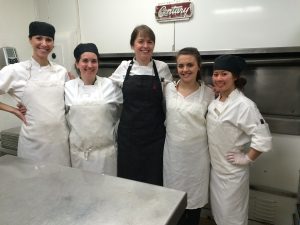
<point>8,151</point>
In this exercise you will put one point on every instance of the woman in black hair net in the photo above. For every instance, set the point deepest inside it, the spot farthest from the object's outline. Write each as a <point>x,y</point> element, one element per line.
<point>94,107</point>
<point>38,85</point>
<point>237,135</point>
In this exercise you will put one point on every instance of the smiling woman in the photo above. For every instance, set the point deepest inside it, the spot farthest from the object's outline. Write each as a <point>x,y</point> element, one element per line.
<point>42,46</point>
<point>237,135</point>
<point>186,158</point>
<point>141,132</point>
<point>87,62</point>
<point>38,86</point>
<point>94,109</point>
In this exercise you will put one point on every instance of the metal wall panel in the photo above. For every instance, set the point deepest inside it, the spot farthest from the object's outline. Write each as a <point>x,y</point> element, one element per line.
<point>273,80</point>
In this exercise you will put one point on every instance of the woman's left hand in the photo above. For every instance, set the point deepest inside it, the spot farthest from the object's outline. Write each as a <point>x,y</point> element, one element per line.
<point>22,109</point>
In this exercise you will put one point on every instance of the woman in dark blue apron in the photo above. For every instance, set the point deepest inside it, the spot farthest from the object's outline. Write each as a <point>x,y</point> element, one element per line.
<point>141,132</point>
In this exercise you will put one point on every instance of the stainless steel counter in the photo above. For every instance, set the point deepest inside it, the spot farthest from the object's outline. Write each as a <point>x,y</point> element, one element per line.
<point>39,194</point>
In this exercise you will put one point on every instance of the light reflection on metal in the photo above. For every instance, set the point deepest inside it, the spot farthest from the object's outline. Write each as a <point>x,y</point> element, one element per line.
<point>248,9</point>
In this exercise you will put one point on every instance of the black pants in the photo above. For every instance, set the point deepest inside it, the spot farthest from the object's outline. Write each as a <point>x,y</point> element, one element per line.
<point>190,217</point>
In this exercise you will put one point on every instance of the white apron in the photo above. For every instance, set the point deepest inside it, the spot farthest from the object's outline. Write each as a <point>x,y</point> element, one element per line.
<point>45,138</point>
<point>229,184</point>
<point>92,136</point>
<point>186,157</point>
<point>229,196</point>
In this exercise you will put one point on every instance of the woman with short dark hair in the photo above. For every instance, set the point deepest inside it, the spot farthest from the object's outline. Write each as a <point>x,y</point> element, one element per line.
<point>141,132</point>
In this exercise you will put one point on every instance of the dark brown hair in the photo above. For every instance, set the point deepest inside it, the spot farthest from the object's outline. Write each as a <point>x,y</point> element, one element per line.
<point>194,52</point>
<point>240,82</point>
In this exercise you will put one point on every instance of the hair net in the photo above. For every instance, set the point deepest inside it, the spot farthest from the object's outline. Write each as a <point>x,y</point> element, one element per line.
<point>41,28</point>
<point>232,63</point>
<point>87,47</point>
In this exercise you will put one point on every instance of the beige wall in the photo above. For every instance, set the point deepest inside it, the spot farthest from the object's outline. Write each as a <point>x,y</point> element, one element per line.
<point>15,17</point>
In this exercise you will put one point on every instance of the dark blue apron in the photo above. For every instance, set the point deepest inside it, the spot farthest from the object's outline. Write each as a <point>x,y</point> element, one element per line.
<point>141,132</point>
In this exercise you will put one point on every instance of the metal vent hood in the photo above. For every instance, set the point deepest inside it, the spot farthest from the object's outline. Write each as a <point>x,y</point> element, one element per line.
<point>273,80</point>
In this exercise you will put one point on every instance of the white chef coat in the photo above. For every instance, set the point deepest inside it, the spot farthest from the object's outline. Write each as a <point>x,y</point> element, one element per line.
<point>15,76</point>
<point>40,90</point>
<point>93,114</point>
<point>186,158</point>
<point>162,69</point>
<point>233,125</point>
<point>242,124</point>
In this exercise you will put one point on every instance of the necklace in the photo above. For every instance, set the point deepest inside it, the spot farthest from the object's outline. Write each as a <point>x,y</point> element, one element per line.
<point>186,90</point>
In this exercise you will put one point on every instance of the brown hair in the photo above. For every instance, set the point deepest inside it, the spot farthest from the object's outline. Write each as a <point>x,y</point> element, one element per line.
<point>143,29</point>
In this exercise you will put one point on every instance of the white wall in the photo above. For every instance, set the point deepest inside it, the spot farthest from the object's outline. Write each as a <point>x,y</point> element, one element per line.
<point>110,23</point>
<point>64,16</point>
<point>216,24</point>
<point>15,18</point>
<point>236,24</point>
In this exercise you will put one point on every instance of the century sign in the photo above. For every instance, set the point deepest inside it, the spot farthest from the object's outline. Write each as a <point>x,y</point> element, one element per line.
<point>174,11</point>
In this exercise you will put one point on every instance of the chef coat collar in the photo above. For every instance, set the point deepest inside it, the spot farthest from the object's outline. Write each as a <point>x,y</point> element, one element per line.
<point>231,98</point>
<point>80,82</point>
<point>150,64</point>
<point>233,95</point>
<point>36,64</point>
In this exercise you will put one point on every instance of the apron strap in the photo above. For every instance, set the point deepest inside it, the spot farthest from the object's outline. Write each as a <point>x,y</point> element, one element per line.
<point>128,70</point>
<point>156,75</point>
<point>154,68</point>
